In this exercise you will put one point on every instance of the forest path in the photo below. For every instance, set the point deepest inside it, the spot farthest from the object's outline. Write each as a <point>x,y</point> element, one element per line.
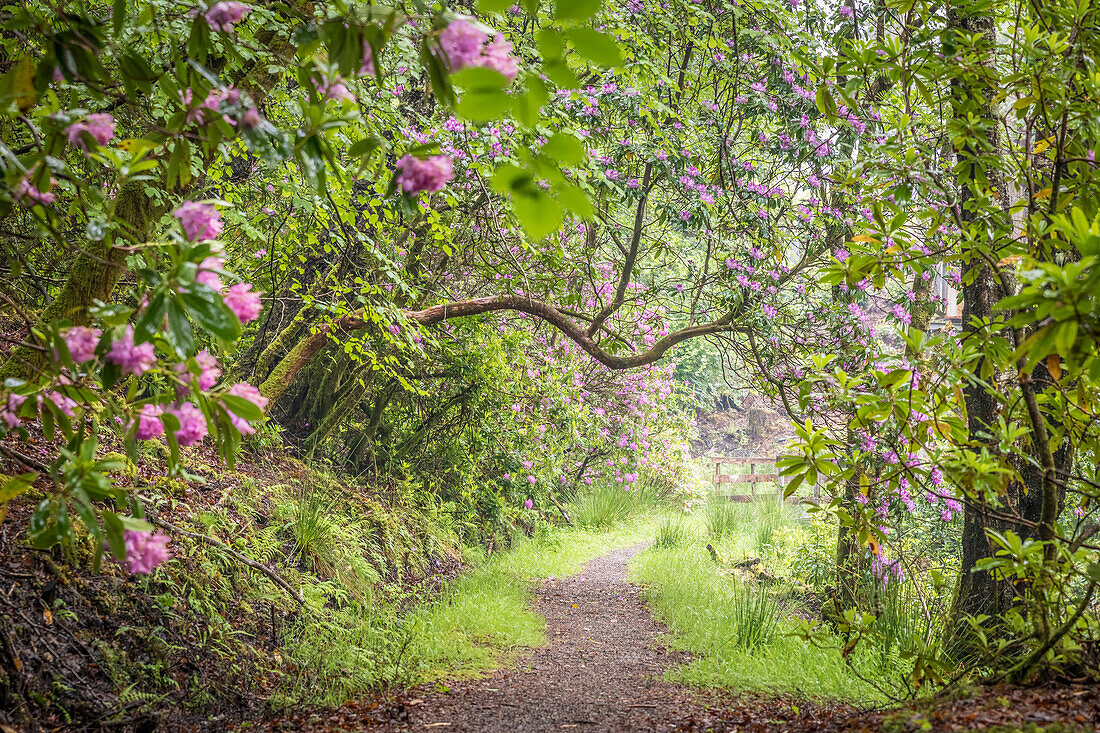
<point>600,671</point>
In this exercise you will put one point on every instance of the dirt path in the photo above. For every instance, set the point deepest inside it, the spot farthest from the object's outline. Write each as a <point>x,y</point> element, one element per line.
<point>600,671</point>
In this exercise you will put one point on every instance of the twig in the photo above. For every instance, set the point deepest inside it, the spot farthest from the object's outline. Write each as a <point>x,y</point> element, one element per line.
<point>564,516</point>
<point>25,460</point>
<point>236,555</point>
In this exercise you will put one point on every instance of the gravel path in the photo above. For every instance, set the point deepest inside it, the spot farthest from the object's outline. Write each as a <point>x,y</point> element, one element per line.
<point>600,671</point>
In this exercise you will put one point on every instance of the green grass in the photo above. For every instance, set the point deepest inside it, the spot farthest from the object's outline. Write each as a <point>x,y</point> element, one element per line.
<point>605,506</point>
<point>721,621</point>
<point>736,632</point>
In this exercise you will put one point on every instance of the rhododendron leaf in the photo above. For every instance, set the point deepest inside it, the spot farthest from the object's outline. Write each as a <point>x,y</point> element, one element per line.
<point>209,312</point>
<point>17,90</point>
<point>575,200</point>
<point>242,408</point>
<point>135,524</point>
<point>114,530</point>
<point>366,147</point>
<point>565,149</point>
<point>576,9</point>
<point>825,102</point>
<point>539,215</point>
<point>483,106</point>
<point>479,79</point>
<point>558,71</point>
<point>550,44</point>
<point>509,178</point>
<point>600,48</point>
<point>199,42</point>
<point>179,333</point>
<point>151,317</point>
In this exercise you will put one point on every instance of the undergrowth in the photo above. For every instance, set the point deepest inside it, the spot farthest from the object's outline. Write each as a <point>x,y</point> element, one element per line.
<point>729,581</point>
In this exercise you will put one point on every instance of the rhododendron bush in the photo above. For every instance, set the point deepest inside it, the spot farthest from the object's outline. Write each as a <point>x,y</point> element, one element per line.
<point>457,250</point>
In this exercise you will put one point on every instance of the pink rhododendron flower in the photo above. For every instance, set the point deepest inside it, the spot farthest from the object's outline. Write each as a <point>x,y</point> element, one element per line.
<point>335,89</point>
<point>192,424</point>
<point>212,102</point>
<point>251,119</point>
<point>145,550</point>
<point>498,57</point>
<point>423,174</point>
<point>529,504</point>
<point>82,342</point>
<point>149,424</point>
<point>223,16</point>
<point>101,126</point>
<point>63,403</point>
<point>29,195</point>
<point>207,274</point>
<point>461,41</point>
<point>200,221</point>
<point>244,303</point>
<point>9,409</point>
<point>210,371</point>
<point>131,358</point>
<point>250,393</point>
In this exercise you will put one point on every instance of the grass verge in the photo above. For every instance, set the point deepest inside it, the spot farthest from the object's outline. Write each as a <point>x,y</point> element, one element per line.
<point>738,633</point>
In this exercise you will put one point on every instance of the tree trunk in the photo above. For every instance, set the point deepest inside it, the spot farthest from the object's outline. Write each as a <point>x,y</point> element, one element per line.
<point>978,592</point>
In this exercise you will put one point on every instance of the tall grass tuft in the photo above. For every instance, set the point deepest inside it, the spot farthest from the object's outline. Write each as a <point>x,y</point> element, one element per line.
<point>723,518</point>
<point>606,506</point>
<point>770,515</point>
<point>672,532</point>
<point>754,616</point>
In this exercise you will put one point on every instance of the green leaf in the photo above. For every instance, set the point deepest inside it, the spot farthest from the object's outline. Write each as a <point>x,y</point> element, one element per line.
<point>179,333</point>
<point>115,540</point>
<point>559,72</point>
<point>242,408</point>
<point>483,106</point>
<point>575,200</point>
<point>539,215</point>
<point>576,9</point>
<point>551,45</point>
<point>479,79</point>
<point>365,148</point>
<point>493,6</point>
<point>599,48</point>
<point>118,15</point>
<point>565,148</point>
<point>211,313</point>
<point>11,487</point>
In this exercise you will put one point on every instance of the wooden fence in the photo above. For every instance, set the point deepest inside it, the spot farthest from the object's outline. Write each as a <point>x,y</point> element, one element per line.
<point>753,478</point>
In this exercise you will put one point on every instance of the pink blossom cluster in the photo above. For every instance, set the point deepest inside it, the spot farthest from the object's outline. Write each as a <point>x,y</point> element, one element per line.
<point>465,45</point>
<point>145,550</point>
<point>423,174</point>
<point>82,342</point>
<point>200,221</point>
<point>223,16</point>
<point>99,126</point>
<point>131,358</point>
